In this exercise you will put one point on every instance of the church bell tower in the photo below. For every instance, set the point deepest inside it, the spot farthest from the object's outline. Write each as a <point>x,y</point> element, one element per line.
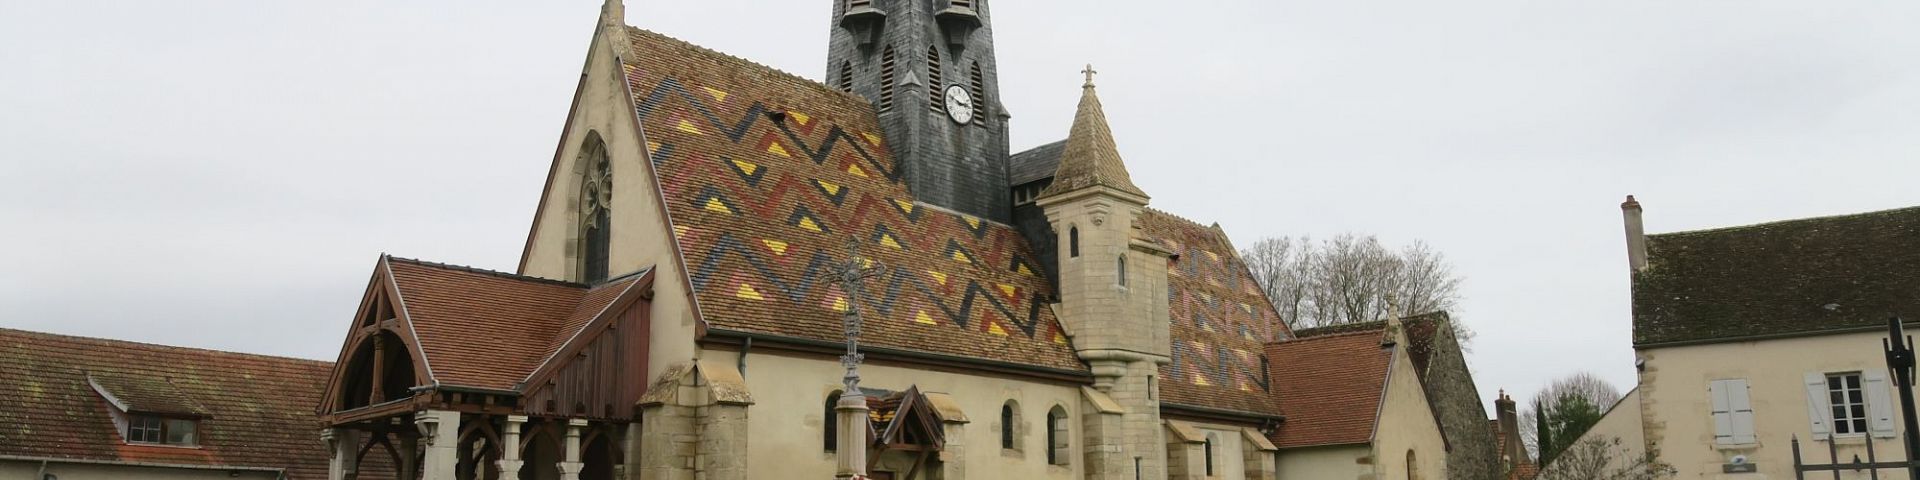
<point>928,68</point>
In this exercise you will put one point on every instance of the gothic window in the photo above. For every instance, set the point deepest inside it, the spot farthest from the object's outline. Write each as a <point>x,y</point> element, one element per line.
<point>887,65</point>
<point>1413,472</point>
<point>846,77</point>
<point>1123,270</point>
<point>1009,417</point>
<point>936,98</point>
<point>832,421</point>
<point>1073,242</point>
<point>596,205</point>
<point>1058,450</point>
<point>979,91</point>
<point>1211,437</point>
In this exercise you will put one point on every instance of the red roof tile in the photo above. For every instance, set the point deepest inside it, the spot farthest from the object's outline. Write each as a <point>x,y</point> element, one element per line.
<point>258,409</point>
<point>1330,387</point>
<point>760,204</point>
<point>487,329</point>
<point>1221,318</point>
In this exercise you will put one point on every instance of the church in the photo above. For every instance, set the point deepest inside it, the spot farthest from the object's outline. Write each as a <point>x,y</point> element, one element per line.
<point>738,273</point>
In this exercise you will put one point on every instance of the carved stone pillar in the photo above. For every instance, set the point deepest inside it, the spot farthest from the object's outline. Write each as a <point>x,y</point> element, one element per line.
<point>509,463</point>
<point>440,431</point>
<point>571,466</point>
<point>344,446</point>
<point>851,429</point>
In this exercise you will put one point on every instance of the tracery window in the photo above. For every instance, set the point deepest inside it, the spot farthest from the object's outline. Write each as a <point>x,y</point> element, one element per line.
<point>596,206</point>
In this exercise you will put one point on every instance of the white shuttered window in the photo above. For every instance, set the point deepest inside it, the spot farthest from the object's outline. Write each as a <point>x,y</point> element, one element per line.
<point>1732,412</point>
<point>1835,404</point>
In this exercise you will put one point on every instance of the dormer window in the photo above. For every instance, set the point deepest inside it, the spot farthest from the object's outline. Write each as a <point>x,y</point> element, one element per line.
<point>161,430</point>
<point>149,410</point>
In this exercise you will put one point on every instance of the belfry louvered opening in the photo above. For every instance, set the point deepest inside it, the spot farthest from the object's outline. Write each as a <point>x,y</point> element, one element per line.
<point>978,87</point>
<point>936,100</point>
<point>846,77</point>
<point>887,64</point>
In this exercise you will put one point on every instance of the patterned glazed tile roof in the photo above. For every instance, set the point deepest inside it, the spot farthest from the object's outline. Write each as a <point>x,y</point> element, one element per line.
<point>767,176</point>
<point>1330,386</point>
<point>1090,158</point>
<point>1789,277</point>
<point>257,410</point>
<point>1221,318</point>
<point>486,329</point>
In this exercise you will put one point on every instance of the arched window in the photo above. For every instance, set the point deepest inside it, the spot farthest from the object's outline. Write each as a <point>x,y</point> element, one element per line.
<point>1009,417</point>
<point>936,95</point>
<point>1413,470</point>
<point>831,419</point>
<point>887,65</point>
<point>846,76</point>
<point>1073,242</point>
<point>1123,269</point>
<point>596,205</point>
<point>1211,438</point>
<point>1058,437</point>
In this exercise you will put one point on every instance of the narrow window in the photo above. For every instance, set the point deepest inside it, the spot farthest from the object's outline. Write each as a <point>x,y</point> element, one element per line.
<point>1007,419</point>
<point>936,98</point>
<point>832,421</point>
<point>1073,242</point>
<point>1153,387</point>
<point>886,79</point>
<point>596,204</point>
<point>1266,375</point>
<point>1413,471</point>
<point>979,91</point>
<point>1123,270</point>
<point>846,77</point>
<point>1058,436</point>
<point>1209,452</point>
<point>1847,402</point>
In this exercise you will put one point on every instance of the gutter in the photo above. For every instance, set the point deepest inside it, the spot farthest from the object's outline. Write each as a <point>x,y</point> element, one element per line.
<point>1756,338</point>
<point>1221,413</point>
<point>281,472</point>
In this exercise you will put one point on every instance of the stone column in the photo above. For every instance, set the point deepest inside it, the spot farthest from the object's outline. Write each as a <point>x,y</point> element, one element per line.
<point>509,463</point>
<point>851,427</point>
<point>344,446</point>
<point>440,429</point>
<point>570,467</point>
<point>409,467</point>
<point>630,453</point>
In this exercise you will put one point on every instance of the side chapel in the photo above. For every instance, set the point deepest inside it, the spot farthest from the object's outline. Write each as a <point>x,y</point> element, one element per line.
<point>1031,316</point>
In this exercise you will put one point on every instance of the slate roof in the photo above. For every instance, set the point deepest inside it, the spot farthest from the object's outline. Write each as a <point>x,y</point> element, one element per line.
<point>1220,320</point>
<point>1330,385</point>
<point>1090,157</point>
<point>760,205</point>
<point>1035,164</point>
<point>257,411</point>
<point>1782,278</point>
<point>486,329</point>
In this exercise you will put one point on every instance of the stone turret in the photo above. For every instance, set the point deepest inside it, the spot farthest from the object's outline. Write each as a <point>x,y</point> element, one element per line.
<point>1110,278</point>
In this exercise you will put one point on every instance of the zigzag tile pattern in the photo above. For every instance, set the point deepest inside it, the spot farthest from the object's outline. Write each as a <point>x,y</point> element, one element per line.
<point>1221,320</point>
<point>767,176</point>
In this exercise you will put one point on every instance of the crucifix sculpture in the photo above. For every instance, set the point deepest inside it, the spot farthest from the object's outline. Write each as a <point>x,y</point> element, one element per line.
<point>852,407</point>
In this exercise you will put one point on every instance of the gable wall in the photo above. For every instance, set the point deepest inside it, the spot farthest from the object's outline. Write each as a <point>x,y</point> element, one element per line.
<point>641,237</point>
<point>1407,423</point>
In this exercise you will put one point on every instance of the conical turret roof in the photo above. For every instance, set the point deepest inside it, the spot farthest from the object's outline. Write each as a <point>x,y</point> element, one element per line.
<point>1090,158</point>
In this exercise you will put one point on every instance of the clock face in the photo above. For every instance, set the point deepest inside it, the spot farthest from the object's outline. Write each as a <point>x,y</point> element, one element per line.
<point>959,104</point>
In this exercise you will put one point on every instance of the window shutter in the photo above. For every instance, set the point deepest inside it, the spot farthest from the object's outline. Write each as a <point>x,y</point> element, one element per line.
<point>1879,403</point>
<point>1740,408</point>
<point>1817,414</point>
<point>1722,412</point>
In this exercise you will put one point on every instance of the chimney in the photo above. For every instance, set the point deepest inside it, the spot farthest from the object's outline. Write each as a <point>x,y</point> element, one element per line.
<point>1513,452</point>
<point>1636,235</point>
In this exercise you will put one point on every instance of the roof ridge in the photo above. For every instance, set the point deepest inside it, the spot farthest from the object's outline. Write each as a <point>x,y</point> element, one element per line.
<point>497,273</point>
<point>1341,330</point>
<point>156,345</point>
<point>1775,223</point>
<point>822,86</point>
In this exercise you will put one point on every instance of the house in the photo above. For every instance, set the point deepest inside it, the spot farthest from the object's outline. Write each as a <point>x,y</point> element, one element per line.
<point>1374,400</point>
<point>1516,463</point>
<point>1750,337</point>
<point>85,408</point>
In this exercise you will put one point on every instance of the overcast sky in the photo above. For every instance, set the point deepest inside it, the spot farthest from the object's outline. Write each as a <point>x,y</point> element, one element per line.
<point>225,174</point>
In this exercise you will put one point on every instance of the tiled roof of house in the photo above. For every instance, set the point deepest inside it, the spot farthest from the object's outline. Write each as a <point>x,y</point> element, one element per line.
<point>1221,318</point>
<point>1791,277</point>
<point>1090,157</point>
<point>256,411</point>
<point>767,176</point>
<point>1330,386</point>
<point>486,329</point>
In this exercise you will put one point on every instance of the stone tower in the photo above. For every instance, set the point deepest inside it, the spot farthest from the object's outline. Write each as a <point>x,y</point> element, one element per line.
<point>1113,290</point>
<point>928,68</point>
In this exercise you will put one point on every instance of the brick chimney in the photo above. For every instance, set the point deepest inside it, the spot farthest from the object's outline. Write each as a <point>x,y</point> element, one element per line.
<point>1513,451</point>
<point>1636,234</point>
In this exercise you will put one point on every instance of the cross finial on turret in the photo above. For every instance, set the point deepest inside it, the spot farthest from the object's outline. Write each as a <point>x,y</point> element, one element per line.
<point>1089,72</point>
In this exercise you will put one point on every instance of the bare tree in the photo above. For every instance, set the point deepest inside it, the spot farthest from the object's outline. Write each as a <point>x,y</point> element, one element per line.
<point>1604,458</point>
<point>1582,385</point>
<point>1351,279</point>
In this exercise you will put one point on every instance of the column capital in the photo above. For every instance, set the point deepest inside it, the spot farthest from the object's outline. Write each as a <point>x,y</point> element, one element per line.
<point>578,422</point>
<point>516,419</point>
